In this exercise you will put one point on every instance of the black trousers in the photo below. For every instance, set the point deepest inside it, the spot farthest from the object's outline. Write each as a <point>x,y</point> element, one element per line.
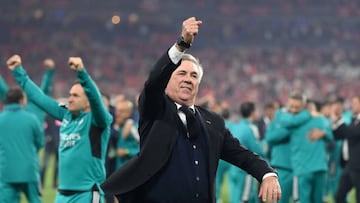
<point>349,178</point>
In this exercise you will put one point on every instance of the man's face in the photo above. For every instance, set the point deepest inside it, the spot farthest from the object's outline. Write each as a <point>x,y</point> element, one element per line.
<point>123,111</point>
<point>337,108</point>
<point>78,100</point>
<point>355,105</point>
<point>295,105</point>
<point>326,110</point>
<point>184,83</point>
<point>269,112</point>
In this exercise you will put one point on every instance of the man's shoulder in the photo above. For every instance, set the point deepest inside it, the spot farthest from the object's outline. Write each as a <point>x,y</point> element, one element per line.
<point>206,113</point>
<point>22,115</point>
<point>204,110</point>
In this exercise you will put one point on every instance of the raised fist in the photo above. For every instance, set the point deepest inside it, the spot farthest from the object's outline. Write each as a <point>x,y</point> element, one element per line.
<point>49,63</point>
<point>190,28</point>
<point>13,62</point>
<point>76,63</point>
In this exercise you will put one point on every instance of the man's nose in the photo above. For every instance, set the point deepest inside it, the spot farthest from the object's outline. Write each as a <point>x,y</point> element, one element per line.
<point>187,81</point>
<point>188,78</point>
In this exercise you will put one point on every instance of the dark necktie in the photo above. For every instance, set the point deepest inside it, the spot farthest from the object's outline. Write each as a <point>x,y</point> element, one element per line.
<point>193,126</point>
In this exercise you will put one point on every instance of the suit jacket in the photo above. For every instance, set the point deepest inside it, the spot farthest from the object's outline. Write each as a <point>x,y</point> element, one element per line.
<point>352,134</point>
<point>158,134</point>
<point>262,125</point>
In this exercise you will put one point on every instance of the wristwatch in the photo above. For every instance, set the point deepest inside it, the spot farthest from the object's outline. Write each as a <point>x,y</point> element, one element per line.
<point>180,42</point>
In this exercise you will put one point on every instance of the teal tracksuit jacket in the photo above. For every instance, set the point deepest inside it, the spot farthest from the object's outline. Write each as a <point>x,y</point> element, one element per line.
<point>21,138</point>
<point>83,139</point>
<point>242,187</point>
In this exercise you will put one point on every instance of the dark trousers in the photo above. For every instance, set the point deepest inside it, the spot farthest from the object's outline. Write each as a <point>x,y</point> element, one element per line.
<point>349,178</point>
<point>48,152</point>
<point>110,168</point>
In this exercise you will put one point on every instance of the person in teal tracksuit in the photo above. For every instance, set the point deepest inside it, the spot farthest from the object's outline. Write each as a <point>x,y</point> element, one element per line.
<point>224,166</point>
<point>127,144</point>
<point>242,186</point>
<point>277,138</point>
<point>84,133</point>
<point>21,138</point>
<point>309,158</point>
<point>46,87</point>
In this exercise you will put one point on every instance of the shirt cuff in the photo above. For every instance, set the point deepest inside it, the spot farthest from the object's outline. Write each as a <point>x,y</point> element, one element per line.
<point>268,175</point>
<point>175,55</point>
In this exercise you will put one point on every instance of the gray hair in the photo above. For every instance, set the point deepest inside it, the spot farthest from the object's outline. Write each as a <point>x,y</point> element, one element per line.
<point>191,58</point>
<point>298,96</point>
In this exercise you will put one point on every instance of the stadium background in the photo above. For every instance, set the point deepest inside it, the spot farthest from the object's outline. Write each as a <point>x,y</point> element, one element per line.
<point>251,50</point>
<point>256,50</point>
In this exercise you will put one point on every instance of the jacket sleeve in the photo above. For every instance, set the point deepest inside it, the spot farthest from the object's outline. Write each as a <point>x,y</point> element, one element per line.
<point>327,129</point>
<point>253,144</point>
<point>151,99</point>
<point>46,82</point>
<point>3,89</point>
<point>347,132</point>
<point>39,137</point>
<point>276,134</point>
<point>101,116</point>
<point>236,154</point>
<point>36,95</point>
<point>289,120</point>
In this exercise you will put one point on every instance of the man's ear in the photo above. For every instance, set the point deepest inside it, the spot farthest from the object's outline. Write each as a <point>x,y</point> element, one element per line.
<point>23,101</point>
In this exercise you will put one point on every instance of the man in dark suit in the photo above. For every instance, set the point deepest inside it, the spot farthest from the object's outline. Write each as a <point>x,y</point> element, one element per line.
<point>174,164</point>
<point>350,176</point>
<point>263,122</point>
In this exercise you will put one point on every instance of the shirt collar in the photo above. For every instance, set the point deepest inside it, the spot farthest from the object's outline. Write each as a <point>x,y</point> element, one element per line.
<point>179,105</point>
<point>13,106</point>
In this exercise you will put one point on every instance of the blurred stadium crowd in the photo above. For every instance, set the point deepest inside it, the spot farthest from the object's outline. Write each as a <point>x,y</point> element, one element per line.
<point>257,50</point>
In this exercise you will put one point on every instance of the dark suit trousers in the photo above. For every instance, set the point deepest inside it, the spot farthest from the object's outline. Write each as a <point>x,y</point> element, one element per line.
<point>349,179</point>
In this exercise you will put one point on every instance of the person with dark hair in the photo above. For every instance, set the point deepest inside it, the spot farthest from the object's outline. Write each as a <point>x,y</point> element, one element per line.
<point>268,116</point>
<point>21,138</point>
<point>342,145</point>
<point>350,176</point>
<point>181,143</point>
<point>338,148</point>
<point>247,109</point>
<point>241,185</point>
<point>16,95</point>
<point>333,153</point>
<point>84,132</point>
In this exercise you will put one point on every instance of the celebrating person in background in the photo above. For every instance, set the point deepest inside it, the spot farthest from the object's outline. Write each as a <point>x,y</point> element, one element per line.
<point>84,132</point>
